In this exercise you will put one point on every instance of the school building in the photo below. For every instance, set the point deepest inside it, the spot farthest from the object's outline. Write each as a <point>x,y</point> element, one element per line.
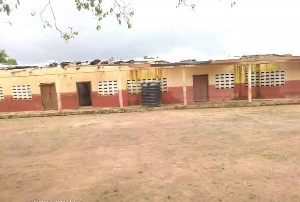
<point>117,85</point>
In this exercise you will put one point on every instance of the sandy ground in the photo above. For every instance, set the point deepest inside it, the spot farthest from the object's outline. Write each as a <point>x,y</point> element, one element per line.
<point>238,154</point>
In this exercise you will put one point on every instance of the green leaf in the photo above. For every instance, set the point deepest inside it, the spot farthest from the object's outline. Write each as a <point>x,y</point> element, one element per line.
<point>6,9</point>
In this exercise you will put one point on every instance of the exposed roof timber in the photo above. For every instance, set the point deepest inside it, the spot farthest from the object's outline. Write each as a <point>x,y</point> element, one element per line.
<point>258,60</point>
<point>131,64</point>
<point>271,60</point>
<point>234,61</point>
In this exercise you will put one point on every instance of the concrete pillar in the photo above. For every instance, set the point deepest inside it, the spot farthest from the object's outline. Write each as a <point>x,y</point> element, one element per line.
<point>58,90</point>
<point>120,88</point>
<point>184,86</point>
<point>249,84</point>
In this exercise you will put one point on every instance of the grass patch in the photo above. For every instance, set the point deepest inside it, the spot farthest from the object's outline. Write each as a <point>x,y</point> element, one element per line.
<point>235,155</point>
<point>271,156</point>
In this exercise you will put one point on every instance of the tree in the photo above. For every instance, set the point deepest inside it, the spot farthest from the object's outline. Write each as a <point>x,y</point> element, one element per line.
<point>111,59</point>
<point>3,56</point>
<point>149,57</point>
<point>5,60</point>
<point>120,9</point>
<point>11,61</point>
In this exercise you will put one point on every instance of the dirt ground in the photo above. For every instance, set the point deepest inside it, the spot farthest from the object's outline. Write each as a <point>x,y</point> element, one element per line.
<point>237,154</point>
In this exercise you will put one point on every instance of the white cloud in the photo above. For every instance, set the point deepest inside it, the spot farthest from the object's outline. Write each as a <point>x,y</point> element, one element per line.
<point>159,29</point>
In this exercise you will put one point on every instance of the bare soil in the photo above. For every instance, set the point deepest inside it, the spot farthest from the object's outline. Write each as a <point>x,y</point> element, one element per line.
<point>237,154</point>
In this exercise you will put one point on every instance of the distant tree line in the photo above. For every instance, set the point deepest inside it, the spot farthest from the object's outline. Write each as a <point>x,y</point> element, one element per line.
<point>5,60</point>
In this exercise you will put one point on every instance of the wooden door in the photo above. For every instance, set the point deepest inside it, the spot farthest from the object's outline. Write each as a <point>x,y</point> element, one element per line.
<point>200,84</point>
<point>49,97</point>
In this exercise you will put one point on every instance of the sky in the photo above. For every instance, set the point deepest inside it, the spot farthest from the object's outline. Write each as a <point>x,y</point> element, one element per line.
<point>215,30</point>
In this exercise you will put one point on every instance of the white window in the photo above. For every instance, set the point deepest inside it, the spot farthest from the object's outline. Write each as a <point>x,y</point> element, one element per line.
<point>108,88</point>
<point>255,79</point>
<point>270,78</point>
<point>1,94</point>
<point>134,86</point>
<point>22,92</point>
<point>274,78</point>
<point>224,81</point>
<point>163,84</point>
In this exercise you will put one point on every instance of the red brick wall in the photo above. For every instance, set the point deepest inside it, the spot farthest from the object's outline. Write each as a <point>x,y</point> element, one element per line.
<point>105,101</point>
<point>220,94</point>
<point>69,100</point>
<point>11,105</point>
<point>291,89</point>
<point>134,99</point>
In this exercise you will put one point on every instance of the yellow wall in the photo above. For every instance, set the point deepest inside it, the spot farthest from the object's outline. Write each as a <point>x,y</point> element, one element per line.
<point>291,69</point>
<point>144,73</point>
<point>210,70</point>
<point>65,79</point>
<point>175,78</point>
<point>9,78</point>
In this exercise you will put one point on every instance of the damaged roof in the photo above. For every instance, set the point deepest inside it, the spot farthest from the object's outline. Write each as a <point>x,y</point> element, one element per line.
<point>160,63</point>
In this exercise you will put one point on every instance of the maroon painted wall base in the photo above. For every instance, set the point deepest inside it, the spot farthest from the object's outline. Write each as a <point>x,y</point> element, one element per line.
<point>291,89</point>
<point>11,105</point>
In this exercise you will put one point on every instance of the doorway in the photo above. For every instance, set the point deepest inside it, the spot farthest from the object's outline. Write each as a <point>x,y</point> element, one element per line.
<point>84,94</point>
<point>200,84</point>
<point>49,96</point>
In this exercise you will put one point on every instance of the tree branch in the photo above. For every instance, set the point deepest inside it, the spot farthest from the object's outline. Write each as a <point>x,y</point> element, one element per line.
<point>184,3</point>
<point>8,7</point>
<point>65,35</point>
<point>8,22</point>
<point>54,18</point>
<point>119,8</point>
